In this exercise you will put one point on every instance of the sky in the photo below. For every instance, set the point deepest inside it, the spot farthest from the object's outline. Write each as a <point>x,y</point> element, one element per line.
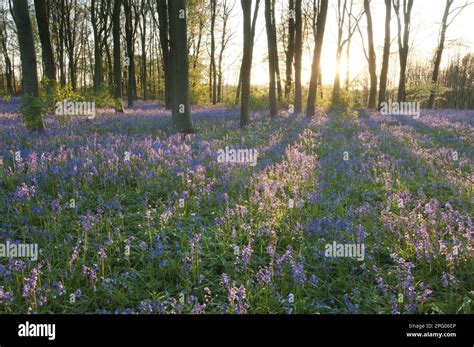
<point>426,19</point>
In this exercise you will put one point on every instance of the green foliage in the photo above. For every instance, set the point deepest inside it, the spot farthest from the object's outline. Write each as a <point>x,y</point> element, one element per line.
<point>118,104</point>
<point>419,91</point>
<point>102,98</point>
<point>32,110</point>
<point>6,97</point>
<point>258,99</point>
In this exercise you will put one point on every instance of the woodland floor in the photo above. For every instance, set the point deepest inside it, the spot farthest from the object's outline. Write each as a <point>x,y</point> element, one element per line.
<point>102,199</point>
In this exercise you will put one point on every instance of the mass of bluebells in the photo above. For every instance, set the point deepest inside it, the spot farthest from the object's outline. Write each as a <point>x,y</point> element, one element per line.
<point>132,218</point>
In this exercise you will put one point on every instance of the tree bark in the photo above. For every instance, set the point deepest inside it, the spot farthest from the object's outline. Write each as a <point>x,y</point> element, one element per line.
<point>313,85</point>
<point>213,70</point>
<point>386,53</point>
<point>290,53</point>
<point>371,56</point>
<point>178,43</point>
<point>42,20</point>
<point>298,56</point>
<point>246,63</point>
<point>28,62</point>
<point>162,9</point>
<point>117,56</point>
<point>439,53</point>
<point>403,43</point>
<point>254,24</point>
<point>130,52</point>
<point>271,59</point>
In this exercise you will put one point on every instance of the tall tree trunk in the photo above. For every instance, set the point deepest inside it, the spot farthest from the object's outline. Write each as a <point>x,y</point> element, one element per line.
<point>254,24</point>
<point>275,52</point>
<point>403,43</point>
<point>144,61</point>
<point>271,59</point>
<point>340,17</point>
<point>162,9</point>
<point>8,62</point>
<point>34,120</point>
<point>42,19</point>
<point>117,56</point>
<point>213,70</point>
<point>97,31</point>
<point>313,85</point>
<point>130,52</point>
<point>439,53</point>
<point>371,56</point>
<point>178,43</point>
<point>246,63</point>
<point>290,52</point>
<point>298,56</point>
<point>226,10</point>
<point>386,53</point>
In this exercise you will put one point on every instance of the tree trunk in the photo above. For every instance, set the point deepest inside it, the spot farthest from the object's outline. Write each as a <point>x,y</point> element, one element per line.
<point>403,44</point>
<point>130,52</point>
<point>254,24</point>
<point>313,85</point>
<point>386,53</point>
<point>144,62</point>
<point>246,63</point>
<point>8,63</point>
<point>213,70</point>
<point>271,59</point>
<point>290,53</point>
<point>162,9</point>
<point>298,56</point>
<point>34,120</point>
<point>42,20</point>
<point>439,53</point>
<point>226,10</point>
<point>372,67</point>
<point>275,52</point>
<point>117,57</point>
<point>178,43</point>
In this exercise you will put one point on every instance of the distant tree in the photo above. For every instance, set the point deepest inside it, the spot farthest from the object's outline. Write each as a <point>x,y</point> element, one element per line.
<point>315,67</point>
<point>30,91</point>
<point>100,24</point>
<point>227,7</point>
<point>179,51</point>
<point>371,56</point>
<point>386,53</point>
<point>403,40</point>
<point>9,76</point>
<point>439,51</point>
<point>341,12</point>
<point>344,16</point>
